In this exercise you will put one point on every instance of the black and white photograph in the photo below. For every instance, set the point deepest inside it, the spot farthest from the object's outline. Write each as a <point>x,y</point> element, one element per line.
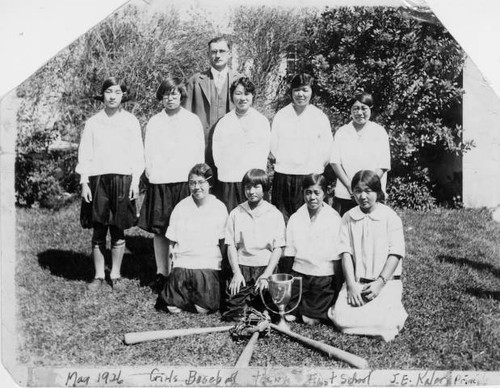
<point>259,193</point>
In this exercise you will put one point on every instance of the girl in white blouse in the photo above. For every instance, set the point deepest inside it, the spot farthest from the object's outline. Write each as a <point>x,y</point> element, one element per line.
<point>312,241</point>
<point>174,143</point>
<point>241,142</point>
<point>301,141</point>
<point>110,162</point>
<point>196,235</point>
<point>372,247</point>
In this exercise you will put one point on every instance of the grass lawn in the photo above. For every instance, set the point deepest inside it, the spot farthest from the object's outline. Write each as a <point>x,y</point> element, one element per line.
<point>451,279</point>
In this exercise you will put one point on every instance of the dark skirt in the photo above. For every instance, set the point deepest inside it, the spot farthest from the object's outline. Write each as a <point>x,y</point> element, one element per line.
<point>110,203</point>
<point>232,194</point>
<point>342,205</point>
<point>186,288</point>
<point>159,202</point>
<point>287,194</point>
<point>234,306</point>
<point>318,295</point>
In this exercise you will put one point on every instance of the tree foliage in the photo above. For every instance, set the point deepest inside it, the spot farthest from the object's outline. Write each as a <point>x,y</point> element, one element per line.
<point>264,36</point>
<point>413,70</point>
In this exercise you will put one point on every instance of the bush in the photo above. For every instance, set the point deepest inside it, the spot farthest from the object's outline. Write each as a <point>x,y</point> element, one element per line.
<point>404,193</point>
<point>138,48</point>
<point>413,69</point>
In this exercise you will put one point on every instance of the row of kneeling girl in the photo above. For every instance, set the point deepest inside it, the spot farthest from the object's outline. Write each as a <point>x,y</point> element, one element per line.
<point>181,213</point>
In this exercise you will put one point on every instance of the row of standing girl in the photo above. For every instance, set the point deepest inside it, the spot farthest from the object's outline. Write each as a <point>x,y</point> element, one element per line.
<point>110,163</point>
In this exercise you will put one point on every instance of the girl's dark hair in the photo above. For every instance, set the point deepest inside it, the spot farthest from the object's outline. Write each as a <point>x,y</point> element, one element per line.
<point>112,81</point>
<point>301,79</point>
<point>254,177</point>
<point>370,179</point>
<point>313,180</point>
<point>204,170</point>
<point>246,83</point>
<point>362,97</point>
<point>169,84</point>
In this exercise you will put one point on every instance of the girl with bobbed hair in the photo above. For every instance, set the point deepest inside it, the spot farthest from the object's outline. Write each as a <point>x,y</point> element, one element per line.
<point>301,141</point>
<point>196,235</point>
<point>362,144</point>
<point>372,247</point>
<point>174,142</point>
<point>110,163</point>
<point>241,142</point>
<point>255,237</point>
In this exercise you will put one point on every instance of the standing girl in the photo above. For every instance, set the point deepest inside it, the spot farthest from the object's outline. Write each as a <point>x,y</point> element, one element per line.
<point>359,145</point>
<point>301,141</point>
<point>312,241</point>
<point>241,142</point>
<point>371,246</point>
<point>174,143</point>
<point>110,162</point>
<point>196,235</point>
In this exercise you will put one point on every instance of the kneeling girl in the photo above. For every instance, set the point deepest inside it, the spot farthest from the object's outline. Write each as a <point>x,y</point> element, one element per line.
<point>312,241</point>
<point>255,237</point>
<point>196,235</point>
<point>371,246</point>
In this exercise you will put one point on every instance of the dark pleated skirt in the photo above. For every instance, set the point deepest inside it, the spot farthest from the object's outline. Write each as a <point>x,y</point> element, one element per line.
<point>231,194</point>
<point>287,194</point>
<point>159,202</point>
<point>110,203</point>
<point>318,295</point>
<point>186,288</point>
<point>342,205</point>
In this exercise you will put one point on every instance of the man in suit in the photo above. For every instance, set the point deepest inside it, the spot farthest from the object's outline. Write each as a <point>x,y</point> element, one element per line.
<point>208,91</point>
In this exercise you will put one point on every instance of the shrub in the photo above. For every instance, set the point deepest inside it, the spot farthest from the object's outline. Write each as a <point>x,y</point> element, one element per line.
<point>138,48</point>
<point>405,193</point>
<point>413,69</point>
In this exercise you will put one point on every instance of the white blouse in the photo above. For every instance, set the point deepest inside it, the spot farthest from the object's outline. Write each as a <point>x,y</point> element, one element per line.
<point>240,144</point>
<point>301,144</point>
<point>111,145</point>
<point>173,145</point>
<point>367,149</point>
<point>314,244</point>
<point>370,238</point>
<point>196,230</point>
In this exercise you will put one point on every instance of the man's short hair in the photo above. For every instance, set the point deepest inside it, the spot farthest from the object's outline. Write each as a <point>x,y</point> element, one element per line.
<point>218,39</point>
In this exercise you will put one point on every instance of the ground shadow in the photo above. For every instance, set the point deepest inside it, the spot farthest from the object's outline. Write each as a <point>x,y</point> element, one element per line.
<point>483,267</point>
<point>67,264</point>
<point>138,262</point>
<point>484,294</point>
<point>486,267</point>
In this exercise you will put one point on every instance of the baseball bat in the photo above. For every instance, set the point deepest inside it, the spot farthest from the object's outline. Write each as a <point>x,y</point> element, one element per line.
<point>337,353</point>
<point>143,336</point>
<point>246,354</point>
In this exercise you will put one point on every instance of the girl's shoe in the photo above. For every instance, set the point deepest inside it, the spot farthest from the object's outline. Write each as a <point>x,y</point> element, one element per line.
<point>118,284</point>
<point>95,284</point>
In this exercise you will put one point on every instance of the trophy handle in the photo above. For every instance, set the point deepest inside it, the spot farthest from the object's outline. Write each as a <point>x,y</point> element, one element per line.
<point>299,278</point>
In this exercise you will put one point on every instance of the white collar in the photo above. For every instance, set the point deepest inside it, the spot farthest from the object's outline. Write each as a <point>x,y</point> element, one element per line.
<point>216,73</point>
<point>357,214</point>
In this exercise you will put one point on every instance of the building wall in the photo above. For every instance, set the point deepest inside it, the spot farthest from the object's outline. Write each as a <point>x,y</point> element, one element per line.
<point>481,122</point>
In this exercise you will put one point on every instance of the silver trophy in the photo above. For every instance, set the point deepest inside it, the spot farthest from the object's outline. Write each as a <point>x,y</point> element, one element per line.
<point>280,288</point>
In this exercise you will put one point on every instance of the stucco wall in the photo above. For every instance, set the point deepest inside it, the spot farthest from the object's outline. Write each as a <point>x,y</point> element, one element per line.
<point>481,122</point>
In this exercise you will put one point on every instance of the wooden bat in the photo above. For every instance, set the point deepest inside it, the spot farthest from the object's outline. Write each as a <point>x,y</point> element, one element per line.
<point>143,336</point>
<point>246,354</point>
<point>337,353</point>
